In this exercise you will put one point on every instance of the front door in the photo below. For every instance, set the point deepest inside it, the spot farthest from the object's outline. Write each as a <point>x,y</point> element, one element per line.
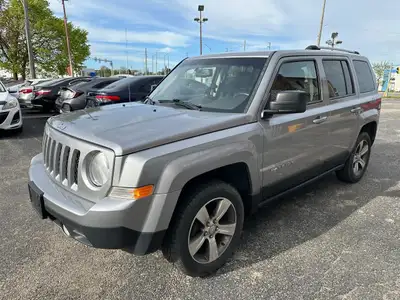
<point>294,144</point>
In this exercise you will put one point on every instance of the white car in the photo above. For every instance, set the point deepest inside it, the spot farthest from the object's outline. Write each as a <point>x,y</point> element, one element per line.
<point>26,91</point>
<point>10,111</point>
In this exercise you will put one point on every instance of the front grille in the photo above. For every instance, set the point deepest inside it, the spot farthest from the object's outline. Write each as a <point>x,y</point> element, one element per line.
<point>3,116</point>
<point>61,161</point>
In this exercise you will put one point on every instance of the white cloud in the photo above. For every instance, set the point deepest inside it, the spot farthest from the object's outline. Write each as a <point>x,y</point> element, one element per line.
<point>103,34</point>
<point>286,23</point>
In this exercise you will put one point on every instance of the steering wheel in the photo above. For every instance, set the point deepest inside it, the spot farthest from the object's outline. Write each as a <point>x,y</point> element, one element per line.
<point>241,94</point>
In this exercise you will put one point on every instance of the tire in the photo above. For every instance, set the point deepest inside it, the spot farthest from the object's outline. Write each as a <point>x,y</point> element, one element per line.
<point>348,173</point>
<point>186,227</point>
<point>47,108</point>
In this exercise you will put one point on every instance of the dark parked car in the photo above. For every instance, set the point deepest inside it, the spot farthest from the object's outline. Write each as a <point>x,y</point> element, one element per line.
<point>46,93</point>
<point>73,97</point>
<point>125,90</point>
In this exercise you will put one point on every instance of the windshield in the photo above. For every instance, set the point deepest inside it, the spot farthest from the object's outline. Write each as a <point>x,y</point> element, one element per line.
<point>214,84</point>
<point>2,88</point>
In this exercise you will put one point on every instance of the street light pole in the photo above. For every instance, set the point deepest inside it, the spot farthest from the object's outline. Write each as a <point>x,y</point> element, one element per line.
<point>28,41</point>
<point>67,38</point>
<point>321,24</point>
<point>201,20</point>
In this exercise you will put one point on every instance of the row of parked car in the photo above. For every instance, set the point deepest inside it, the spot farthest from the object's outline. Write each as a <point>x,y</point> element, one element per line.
<point>74,93</point>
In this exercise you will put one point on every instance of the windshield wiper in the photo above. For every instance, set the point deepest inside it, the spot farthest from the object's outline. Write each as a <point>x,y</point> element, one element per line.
<point>149,101</point>
<point>186,104</point>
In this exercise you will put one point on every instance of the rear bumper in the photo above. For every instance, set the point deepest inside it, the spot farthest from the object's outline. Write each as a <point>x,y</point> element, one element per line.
<point>68,105</point>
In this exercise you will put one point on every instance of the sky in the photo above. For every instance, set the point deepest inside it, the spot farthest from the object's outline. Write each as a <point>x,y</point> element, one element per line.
<point>121,30</point>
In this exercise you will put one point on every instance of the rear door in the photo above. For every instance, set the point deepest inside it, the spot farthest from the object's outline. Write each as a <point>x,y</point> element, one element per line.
<point>343,121</point>
<point>294,143</point>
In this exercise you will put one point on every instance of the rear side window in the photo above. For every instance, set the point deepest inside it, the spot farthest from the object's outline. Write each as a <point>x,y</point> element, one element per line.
<point>338,76</point>
<point>103,84</point>
<point>364,76</point>
<point>297,75</point>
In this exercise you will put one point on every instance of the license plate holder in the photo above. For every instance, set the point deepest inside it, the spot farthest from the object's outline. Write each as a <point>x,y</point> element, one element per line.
<point>37,201</point>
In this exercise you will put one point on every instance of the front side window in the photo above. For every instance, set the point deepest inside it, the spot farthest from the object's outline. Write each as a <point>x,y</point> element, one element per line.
<point>297,76</point>
<point>212,84</point>
<point>2,88</point>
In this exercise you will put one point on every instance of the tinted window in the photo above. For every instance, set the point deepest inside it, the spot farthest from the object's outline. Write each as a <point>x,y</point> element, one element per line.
<point>2,88</point>
<point>338,76</point>
<point>297,75</point>
<point>49,83</point>
<point>347,76</point>
<point>103,84</point>
<point>121,84</point>
<point>364,76</point>
<point>83,80</point>
<point>145,85</point>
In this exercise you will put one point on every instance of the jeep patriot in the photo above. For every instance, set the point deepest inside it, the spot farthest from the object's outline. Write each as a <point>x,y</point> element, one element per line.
<point>219,137</point>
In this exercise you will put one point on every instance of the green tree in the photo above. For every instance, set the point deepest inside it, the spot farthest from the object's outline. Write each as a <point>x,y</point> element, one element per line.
<point>379,69</point>
<point>48,39</point>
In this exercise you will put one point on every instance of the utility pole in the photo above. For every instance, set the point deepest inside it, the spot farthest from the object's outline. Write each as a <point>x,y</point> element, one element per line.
<point>201,20</point>
<point>126,46</point>
<point>156,61</point>
<point>321,24</point>
<point>67,38</point>
<point>145,61</point>
<point>28,41</point>
<point>244,46</point>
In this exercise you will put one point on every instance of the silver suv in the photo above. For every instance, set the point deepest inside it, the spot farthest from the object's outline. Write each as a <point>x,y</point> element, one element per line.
<point>219,137</point>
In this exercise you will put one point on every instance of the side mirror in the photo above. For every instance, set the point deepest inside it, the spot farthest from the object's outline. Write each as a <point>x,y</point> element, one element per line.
<point>153,87</point>
<point>287,102</point>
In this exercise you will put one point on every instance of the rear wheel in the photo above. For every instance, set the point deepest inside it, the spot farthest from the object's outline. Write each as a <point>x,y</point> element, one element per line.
<point>206,229</point>
<point>357,163</point>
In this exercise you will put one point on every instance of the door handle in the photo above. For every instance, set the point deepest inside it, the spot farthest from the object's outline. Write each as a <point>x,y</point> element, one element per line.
<point>355,109</point>
<point>320,120</point>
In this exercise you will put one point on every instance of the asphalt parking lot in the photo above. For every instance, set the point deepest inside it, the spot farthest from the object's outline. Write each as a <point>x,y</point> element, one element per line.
<point>329,241</point>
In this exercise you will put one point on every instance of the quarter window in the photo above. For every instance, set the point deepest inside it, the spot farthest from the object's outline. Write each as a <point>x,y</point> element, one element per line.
<point>364,76</point>
<point>338,76</point>
<point>297,75</point>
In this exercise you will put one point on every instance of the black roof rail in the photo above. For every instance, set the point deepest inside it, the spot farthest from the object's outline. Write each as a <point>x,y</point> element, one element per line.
<point>315,47</point>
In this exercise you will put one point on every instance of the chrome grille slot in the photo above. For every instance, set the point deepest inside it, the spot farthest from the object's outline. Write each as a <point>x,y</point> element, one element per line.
<point>51,155</point>
<point>64,165</point>
<point>46,151</point>
<point>57,159</point>
<point>75,166</point>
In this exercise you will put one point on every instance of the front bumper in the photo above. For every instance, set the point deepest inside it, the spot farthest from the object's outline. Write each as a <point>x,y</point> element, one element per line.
<point>109,223</point>
<point>11,119</point>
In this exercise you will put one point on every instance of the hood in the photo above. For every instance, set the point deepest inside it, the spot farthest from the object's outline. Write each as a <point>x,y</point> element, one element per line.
<point>132,127</point>
<point>4,97</point>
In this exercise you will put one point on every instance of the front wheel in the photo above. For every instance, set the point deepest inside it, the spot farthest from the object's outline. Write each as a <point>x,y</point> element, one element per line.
<point>206,229</point>
<point>357,163</point>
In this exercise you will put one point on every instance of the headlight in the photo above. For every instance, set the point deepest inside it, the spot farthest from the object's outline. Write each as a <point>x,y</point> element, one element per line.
<point>11,104</point>
<point>98,169</point>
